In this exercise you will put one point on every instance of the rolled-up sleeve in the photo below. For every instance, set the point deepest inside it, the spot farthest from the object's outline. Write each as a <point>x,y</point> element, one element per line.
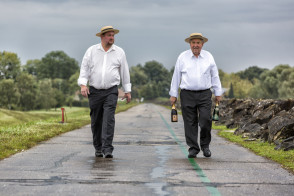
<point>176,79</point>
<point>84,71</point>
<point>125,74</point>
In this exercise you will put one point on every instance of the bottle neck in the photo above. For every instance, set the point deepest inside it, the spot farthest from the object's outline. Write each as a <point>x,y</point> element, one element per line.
<point>173,106</point>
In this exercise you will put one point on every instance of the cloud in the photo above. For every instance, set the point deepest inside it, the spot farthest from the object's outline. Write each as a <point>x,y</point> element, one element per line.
<point>241,34</point>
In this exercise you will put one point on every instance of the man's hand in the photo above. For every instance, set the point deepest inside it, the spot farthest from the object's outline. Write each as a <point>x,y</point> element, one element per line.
<point>84,90</point>
<point>218,99</point>
<point>173,100</point>
<point>128,97</point>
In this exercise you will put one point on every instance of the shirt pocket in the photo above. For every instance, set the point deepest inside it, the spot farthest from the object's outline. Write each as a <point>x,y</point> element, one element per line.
<point>183,71</point>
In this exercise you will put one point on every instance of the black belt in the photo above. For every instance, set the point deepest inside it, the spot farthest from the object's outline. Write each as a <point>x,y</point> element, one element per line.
<point>199,91</point>
<point>91,87</point>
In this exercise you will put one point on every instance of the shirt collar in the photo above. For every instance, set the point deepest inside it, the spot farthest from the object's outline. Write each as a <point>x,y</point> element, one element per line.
<point>113,47</point>
<point>192,55</point>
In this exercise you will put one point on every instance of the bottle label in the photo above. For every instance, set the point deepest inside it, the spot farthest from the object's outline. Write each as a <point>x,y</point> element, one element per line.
<point>175,118</point>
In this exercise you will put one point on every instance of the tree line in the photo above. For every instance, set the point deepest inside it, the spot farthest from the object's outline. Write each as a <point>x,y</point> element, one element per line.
<point>39,84</point>
<point>52,82</point>
<point>260,83</point>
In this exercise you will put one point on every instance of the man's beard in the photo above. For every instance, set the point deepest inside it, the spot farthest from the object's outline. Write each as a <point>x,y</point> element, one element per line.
<point>196,52</point>
<point>110,43</point>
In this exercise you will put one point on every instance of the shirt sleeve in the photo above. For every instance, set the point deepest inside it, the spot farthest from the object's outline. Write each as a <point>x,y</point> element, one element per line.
<point>215,80</point>
<point>125,74</point>
<point>176,79</point>
<point>85,70</point>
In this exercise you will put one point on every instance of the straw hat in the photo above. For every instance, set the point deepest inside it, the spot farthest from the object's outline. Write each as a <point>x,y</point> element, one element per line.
<point>107,29</point>
<point>196,36</point>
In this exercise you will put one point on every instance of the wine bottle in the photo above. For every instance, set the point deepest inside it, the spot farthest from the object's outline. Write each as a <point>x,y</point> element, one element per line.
<point>215,116</point>
<point>174,114</point>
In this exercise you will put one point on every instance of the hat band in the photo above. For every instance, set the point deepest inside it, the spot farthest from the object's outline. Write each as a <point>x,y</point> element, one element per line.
<point>196,36</point>
<point>106,29</point>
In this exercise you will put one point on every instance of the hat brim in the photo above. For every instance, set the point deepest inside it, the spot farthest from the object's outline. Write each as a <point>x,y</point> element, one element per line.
<point>116,31</point>
<point>196,37</point>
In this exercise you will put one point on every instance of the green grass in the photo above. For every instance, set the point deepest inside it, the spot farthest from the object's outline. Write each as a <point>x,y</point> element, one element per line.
<point>8,117</point>
<point>265,149</point>
<point>22,130</point>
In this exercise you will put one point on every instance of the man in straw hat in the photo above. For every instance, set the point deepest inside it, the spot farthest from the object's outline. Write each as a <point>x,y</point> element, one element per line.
<point>196,73</point>
<point>103,66</point>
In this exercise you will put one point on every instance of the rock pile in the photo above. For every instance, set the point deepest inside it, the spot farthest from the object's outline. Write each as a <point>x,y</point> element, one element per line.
<point>269,120</point>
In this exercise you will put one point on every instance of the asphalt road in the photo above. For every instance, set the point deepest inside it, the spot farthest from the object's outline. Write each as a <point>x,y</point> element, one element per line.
<point>150,158</point>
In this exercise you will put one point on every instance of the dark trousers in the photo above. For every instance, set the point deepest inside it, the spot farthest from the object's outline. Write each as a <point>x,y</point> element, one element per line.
<point>196,110</point>
<point>102,104</point>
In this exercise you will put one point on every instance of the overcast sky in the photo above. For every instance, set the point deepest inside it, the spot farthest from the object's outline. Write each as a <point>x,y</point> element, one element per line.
<point>240,33</point>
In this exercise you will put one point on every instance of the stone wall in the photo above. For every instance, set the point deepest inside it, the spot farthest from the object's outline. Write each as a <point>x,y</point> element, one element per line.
<point>268,120</point>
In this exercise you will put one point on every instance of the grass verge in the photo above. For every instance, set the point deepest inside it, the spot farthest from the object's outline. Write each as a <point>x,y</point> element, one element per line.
<point>22,130</point>
<point>265,149</point>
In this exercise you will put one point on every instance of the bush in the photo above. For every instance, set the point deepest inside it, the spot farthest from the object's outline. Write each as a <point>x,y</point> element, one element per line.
<point>82,103</point>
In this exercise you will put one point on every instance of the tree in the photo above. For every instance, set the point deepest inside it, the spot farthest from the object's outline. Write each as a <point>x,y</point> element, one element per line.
<point>9,95</point>
<point>286,89</point>
<point>163,88</point>
<point>46,97</point>
<point>27,87</point>
<point>57,64</point>
<point>231,91</point>
<point>69,101</point>
<point>62,85</point>
<point>241,87</point>
<point>257,92</point>
<point>9,65</point>
<point>138,79</point>
<point>147,91</point>
<point>275,84</point>
<point>135,92</point>
<point>32,67</point>
<point>272,80</point>
<point>251,73</point>
<point>225,78</point>
<point>59,97</point>
<point>72,83</point>
<point>150,81</point>
<point>156,71</point>
<point>138,75</point>
<point>221,74</point>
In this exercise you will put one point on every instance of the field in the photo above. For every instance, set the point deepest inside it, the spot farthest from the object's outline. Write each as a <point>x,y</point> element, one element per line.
<point>22,130</point>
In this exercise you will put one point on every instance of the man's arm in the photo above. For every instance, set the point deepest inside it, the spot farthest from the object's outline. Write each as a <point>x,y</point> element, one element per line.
<point>125,78</point>
<point>84,74</point>
<point>215,82</point>
<point>174,86</point>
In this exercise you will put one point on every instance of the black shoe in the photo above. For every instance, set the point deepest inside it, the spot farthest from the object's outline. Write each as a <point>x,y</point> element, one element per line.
<point>190,155</point>
<point>98,154</point>
<point>108,155</point>
<point>206,152</point>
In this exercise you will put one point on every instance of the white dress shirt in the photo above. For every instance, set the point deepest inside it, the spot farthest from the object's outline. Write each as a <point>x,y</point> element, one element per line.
<point>103,69</point>
<point>193,73</point>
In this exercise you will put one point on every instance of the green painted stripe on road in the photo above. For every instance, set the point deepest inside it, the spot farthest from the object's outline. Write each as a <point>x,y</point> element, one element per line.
<point>212,190</point>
